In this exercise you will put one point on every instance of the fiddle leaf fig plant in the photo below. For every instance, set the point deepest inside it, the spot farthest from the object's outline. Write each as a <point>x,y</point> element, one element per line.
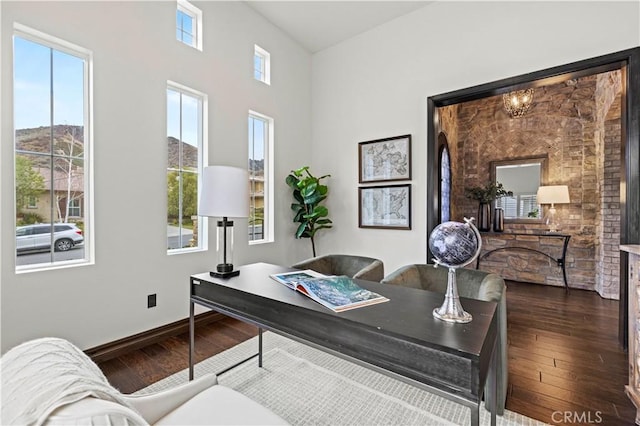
<point>308,193</point>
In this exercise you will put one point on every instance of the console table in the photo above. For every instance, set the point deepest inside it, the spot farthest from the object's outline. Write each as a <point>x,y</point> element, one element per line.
<point>561,261</point>
<point>399,338</point>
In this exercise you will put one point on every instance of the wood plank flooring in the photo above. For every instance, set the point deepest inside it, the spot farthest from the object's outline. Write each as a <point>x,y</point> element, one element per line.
<point>565,365</point>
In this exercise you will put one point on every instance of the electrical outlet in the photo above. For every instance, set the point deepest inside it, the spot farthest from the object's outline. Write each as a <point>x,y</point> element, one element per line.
<point>151,300</point>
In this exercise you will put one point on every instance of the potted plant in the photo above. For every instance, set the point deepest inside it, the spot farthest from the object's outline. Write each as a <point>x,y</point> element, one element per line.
<point>485,195</point>
<point>308,193</point>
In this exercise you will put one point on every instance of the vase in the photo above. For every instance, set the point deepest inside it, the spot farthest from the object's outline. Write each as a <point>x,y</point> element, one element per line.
<point>484,217</point>
<point>498,220</point>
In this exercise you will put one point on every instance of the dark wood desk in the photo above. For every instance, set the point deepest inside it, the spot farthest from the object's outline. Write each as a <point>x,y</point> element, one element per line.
<point>399,338</point>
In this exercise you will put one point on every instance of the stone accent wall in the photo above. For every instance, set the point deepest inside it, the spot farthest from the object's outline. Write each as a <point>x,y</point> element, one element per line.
<point>608,138</point>
<point>567,124</point>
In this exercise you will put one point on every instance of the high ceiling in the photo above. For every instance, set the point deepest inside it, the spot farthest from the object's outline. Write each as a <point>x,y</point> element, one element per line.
<point>317,25</point>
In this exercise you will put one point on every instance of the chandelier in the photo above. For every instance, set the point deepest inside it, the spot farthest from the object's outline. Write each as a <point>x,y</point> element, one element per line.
<point>518,102</point>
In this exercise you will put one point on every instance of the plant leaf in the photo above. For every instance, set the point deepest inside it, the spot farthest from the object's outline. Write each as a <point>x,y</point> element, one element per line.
<point>301,228</point>
<point>309,189</point>
<point>321,211</point>
<point>292,181</point>
<point>298,172</point>
<point>314,199</point>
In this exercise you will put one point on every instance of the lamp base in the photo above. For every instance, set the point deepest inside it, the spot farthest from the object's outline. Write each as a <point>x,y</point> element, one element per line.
<point>224,274</point>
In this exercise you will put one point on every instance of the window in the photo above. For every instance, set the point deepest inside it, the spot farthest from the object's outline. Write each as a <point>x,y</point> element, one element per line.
<point>261,65</point>
<point>32,203</point>
<point>185,136</point>
<point>189,24</point>
<point>260,178</point>
<point>444,174</point>
<point>519,206</point>
<point>74,208</point>
<point>52,149</point>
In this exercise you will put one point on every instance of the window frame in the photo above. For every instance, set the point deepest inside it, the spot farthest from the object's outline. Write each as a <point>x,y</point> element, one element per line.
<point>266,62</point>
<point>268,231</point>
<point>196,14</point>
<point>203,240</point>
<point>86,55</point>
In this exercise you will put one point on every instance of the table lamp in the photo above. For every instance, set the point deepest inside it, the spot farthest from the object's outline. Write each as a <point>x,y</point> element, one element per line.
<point>553,194</point>
<point>225,193</point>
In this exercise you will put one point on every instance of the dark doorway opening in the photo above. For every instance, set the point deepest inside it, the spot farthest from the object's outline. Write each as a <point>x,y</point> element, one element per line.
<point>628,61</point>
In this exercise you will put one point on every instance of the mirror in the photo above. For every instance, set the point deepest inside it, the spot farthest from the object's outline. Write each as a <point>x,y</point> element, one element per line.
<point>522,176</point>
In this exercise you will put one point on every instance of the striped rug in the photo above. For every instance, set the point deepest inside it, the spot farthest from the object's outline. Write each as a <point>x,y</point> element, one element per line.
<point>306,386</point>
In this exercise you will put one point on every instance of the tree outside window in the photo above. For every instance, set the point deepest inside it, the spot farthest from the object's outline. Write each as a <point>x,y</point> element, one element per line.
<point>51,81</point>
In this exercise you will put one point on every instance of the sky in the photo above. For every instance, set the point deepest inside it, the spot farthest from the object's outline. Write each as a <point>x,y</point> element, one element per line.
<point>33,65</point>
<point>39,70</point>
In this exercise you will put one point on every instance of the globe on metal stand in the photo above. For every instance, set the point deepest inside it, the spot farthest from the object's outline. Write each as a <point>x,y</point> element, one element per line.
<point>454,245</point>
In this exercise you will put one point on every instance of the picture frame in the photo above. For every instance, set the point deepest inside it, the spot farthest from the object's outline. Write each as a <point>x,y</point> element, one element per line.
<point>385,160</point>
<point>386,207</point>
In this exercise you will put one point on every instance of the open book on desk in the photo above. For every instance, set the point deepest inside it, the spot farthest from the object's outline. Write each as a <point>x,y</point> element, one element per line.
<point>338,293</point>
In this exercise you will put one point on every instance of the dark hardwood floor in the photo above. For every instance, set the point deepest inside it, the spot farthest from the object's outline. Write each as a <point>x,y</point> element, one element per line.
<point>565,364</point>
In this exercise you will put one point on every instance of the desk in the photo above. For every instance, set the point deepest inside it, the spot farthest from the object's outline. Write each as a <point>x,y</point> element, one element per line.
<point>399,338</point>
<point>561,261</point>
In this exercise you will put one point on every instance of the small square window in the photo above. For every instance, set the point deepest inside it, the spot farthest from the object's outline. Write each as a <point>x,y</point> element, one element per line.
<point>189,24</point>
<point>32,202</point>
<point>261,65</point>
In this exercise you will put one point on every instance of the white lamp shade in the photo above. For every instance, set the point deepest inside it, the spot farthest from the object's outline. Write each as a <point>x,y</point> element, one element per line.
<point>225,192</point>
<point>554,194</point>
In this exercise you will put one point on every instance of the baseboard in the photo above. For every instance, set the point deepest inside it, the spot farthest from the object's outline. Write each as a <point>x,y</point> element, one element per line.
<point>120,347</point>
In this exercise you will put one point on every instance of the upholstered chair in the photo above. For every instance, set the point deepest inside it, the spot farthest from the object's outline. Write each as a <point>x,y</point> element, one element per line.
<point>364,268</point>
<point>472,284</point>
<point>50,381</point>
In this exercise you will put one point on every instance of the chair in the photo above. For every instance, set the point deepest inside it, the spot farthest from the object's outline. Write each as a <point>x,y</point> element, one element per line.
<point>364,268</point>
<point>50,381</point>
<point>472,284</point>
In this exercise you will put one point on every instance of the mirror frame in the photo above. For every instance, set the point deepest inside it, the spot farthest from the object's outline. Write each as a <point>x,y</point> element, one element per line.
<point>542,159</point>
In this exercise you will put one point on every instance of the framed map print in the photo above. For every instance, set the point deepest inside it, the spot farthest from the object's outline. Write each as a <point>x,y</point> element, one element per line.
<point>385,207</point>
<point>385,160</point>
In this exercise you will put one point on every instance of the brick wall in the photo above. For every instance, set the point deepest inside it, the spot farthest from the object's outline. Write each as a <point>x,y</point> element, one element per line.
<point>574,124</point>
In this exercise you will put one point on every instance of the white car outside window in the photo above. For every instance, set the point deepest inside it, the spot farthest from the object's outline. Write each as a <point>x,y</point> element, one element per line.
<point>38,237</point>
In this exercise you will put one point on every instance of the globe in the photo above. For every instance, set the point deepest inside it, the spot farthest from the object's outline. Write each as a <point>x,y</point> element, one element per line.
<point>454,244</point>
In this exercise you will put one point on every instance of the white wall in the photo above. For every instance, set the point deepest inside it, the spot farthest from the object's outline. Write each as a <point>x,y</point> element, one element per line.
<point>135,53</point>
<point>376,85</point>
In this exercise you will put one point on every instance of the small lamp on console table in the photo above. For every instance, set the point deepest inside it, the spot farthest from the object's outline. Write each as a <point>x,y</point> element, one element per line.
<point>225,193</point>
<point>554,194</point>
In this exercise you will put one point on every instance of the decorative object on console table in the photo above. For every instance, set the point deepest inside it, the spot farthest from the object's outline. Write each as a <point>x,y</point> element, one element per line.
<point>454,245</point>
<point>384,160</point>
<point>484,217</point>
<point>486,195</point>
<point>498,219</point>
<point>225,193</point>
<point>553,194</point>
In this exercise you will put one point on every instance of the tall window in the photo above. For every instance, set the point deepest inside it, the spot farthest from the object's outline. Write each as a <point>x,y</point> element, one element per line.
<point>260,177</point>
<point>52,150</point>
<point>185,135</point>
<point>189,24</point>
<point>445,179</point>
<point>261,65</point>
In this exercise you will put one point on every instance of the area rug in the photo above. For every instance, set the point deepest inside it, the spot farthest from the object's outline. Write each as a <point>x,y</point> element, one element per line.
<point>306,386</point>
